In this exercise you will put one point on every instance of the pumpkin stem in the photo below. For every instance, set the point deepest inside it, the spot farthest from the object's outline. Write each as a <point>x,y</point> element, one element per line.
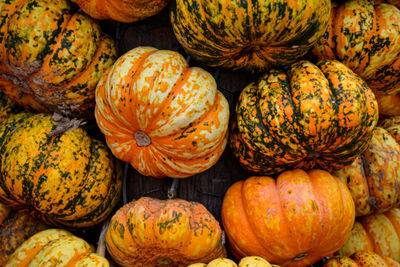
<point>172,191</point>
<point>64,124</point>
<point>142,139</point>
<point>101,244</point>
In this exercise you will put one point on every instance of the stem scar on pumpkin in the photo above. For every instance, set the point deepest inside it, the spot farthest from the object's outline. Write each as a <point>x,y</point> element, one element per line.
<point>142,139</point>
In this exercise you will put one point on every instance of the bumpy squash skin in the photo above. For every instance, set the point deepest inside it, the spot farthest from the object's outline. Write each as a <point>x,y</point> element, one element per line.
<point>312,116</point>
<point>68,179</point>
<point>361,259</point>
<point>379,233</point>
<point>52,63</point>
<point>374,177</point>
<point>365,37</point>
<point>163,117</point>
<point>121,10</point>
<point>15,228</point>
<point>254,35</point>
<point>293,221</point>
<point>153,233</point>
<point>55,247</point>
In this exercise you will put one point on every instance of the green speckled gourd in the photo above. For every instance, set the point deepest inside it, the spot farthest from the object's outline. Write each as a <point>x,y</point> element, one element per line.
<point>311,116</point>
<point>66,179</point>
<point>50,57</point>
<point>249,34</point>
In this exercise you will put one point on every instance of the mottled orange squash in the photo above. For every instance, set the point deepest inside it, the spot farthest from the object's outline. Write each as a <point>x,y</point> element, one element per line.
<point>55,247</point>
<point>250,261</point>
<point>379,233</point>
<point>361,259</point>
<point>366,37</point>
<point>15,228</point>
<point>51,58</point>
<point>249,34</point>
<point>65,178</point>
<point>295,220</point>
<point>374,177</point>
<point>392,125</point>
<point>389,105</point>
<point>155,233</point>
<point>121,10</point>
<point>310,116</point>
<point>163,117</point>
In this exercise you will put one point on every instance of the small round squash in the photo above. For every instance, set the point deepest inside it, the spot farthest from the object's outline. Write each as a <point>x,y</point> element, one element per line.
<point>121,10</point>
<point>50,57</point>
<point>66,179</point>
<point>311,116</point>
<point>55,247</point>
<point>250,34</point>
<point>250,261</point>
<point>151,232</point>
<point>361,259</point>
<point>163,117</point>
<point>295,220</point>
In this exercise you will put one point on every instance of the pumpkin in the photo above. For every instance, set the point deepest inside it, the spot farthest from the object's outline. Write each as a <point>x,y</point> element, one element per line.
<point>55,247</point>
<point>361,259</point>
<point>379,233</point>
<point>150,232</point>
<point>293,221</point>
<point>50,57</point>
<point>366,37</point>
<point>123,11</point>
<point>15,228</point>
<point>374,177</point>
<point>254,35</point>
<point>251,261</point>
<point>67,179</point>
<point>389,105</point>
<point>312,116</point>
<point>7,107</point>
<point>163,117</point>
<point>392,125</point>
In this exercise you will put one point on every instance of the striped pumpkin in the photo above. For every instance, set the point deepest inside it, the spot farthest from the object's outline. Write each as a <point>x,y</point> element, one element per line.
<point>51,58</point>
<point>379,233</point>
<point>163,117</point>
<point>310,116</point>
<point>154,233</point>
<point>55,247</point>
<point>366,37</point>
<point>374,177</point>
<point>121,10</point>
<point>249,34</point>
<point>15,228</point>
<point>67,179</point>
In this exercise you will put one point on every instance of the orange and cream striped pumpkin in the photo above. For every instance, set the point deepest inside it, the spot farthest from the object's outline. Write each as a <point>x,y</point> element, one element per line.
<point>163,117</point>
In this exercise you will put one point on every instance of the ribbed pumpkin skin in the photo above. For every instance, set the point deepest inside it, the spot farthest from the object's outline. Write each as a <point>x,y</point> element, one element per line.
<point>68,179</point>
<point>374,177</point>
<point>249,34</point>
<point>55,247</point>
<point>379,233</point>
<point>293,221</point>
<point>15,228</point>
<point>365,37</point>
<point>361,259</point>
<point>121,10</point>
<point>312,116</point>
<point>50,58</point>
<point>163,117</point>
<point>151,232</point>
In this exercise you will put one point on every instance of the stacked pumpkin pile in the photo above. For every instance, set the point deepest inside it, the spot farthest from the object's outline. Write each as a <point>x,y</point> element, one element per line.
<point>319,129</point>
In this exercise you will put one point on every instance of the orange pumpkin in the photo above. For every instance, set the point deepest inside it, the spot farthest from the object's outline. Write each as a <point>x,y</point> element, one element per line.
<point>121,10</point>
<point>293,221</point>
<point>361,259</point>
<point>379,233</point>
<point>392,125</point>
<point>365,36</point>
<point>389,105</point>
<point>15,228</point>
<point>151,232</point>
<point>50,57</point>
<point>163,117</point>
<point>374,177</point>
